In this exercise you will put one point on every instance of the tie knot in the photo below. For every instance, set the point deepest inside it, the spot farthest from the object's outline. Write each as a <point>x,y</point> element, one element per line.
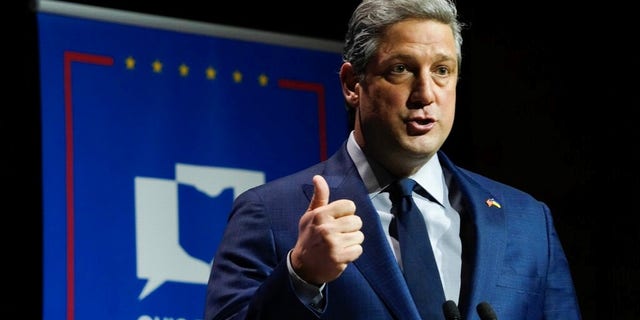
<point>401,194</point>
<point>406,186</point>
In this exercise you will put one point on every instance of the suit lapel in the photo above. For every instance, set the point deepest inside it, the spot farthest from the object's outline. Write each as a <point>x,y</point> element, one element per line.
<point>377,262</point>
<point>482,251</point>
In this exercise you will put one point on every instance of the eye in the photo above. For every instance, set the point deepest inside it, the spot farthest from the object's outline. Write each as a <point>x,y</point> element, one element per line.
<point>399,68</point>
<point>442,71</point>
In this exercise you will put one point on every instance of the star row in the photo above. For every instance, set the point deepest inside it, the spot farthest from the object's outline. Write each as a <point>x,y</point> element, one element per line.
<point>210,73</point>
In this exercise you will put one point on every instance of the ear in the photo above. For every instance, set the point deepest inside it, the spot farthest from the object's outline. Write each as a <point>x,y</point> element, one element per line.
<point>350,85</point>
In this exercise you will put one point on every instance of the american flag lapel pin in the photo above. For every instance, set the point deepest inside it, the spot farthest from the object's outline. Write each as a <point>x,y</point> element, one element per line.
<point>493,203</point>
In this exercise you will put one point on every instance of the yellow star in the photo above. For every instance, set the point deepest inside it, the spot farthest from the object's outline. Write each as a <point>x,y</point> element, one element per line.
<point>237,76</point>
<point>263,80</point>
<point>130,62</point>
<point>184,70</point>
<point>157,66</point>
<point>211,73</point>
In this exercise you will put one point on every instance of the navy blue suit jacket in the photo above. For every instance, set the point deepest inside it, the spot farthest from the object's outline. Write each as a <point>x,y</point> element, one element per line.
<point>512,257</point>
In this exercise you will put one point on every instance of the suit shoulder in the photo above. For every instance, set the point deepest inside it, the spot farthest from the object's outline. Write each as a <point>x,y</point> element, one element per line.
<point>290,181</point>
<point>495,186</point>
<point>305,176</point>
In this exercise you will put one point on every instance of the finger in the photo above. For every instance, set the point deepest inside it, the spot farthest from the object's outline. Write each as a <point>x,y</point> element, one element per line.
<point>349,223</point>
<point>341,208</point>
<point>320,193</point>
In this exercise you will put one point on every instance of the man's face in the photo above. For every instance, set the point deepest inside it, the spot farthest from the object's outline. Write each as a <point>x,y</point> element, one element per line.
<point>406,102</point>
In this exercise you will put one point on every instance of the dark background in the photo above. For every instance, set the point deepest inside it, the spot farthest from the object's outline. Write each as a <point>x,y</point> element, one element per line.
<point>546,102</point>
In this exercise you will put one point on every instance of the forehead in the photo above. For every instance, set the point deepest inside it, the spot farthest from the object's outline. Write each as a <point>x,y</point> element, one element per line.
<point>418,33</point>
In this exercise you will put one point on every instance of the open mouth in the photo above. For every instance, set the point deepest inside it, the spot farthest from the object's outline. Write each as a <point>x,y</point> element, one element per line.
<point>423,121</point>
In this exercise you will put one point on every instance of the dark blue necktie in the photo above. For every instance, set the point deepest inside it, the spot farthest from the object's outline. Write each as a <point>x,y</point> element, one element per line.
<point>419,264</point>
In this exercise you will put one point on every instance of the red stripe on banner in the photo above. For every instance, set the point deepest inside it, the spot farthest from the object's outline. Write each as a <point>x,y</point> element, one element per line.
<point>322,117</point>
<point>69,58</point>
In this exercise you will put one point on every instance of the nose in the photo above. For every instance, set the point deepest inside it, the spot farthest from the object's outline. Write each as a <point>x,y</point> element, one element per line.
<point>422,91</point>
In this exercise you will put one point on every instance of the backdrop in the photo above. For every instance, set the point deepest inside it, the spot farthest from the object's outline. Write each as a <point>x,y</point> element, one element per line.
<point>150,128</point>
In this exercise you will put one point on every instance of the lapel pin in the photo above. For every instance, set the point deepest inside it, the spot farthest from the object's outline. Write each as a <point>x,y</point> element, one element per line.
<point>493,203</point>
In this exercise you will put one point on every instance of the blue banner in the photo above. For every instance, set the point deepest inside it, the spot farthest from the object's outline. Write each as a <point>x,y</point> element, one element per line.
<point>148,135</point>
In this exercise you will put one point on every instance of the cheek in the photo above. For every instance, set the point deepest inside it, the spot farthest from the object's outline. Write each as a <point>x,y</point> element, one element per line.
<point>447,116</point>
<point>449,106</point>
<point>387,98</point>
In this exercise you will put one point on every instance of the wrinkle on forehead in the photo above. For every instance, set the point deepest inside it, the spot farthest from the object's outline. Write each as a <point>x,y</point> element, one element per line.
<point>424,36</point>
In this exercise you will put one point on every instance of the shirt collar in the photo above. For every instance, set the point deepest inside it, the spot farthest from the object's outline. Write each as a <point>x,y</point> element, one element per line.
<point>430,176</point>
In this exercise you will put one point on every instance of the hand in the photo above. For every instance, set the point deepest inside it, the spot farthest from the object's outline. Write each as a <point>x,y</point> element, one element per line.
<point>329,237</point>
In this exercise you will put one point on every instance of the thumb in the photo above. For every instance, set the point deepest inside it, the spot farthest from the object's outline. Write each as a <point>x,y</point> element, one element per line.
<point>320,193</point>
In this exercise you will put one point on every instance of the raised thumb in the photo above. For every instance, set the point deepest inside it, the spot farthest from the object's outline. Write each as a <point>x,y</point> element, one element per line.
<point>320,193</point>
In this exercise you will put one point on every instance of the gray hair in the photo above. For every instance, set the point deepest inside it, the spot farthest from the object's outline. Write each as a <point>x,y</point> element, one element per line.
<point>371,18</point>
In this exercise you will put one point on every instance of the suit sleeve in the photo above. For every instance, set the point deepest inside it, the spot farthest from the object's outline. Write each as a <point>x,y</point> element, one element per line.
<point>249,277</point>
<point>560,300</point>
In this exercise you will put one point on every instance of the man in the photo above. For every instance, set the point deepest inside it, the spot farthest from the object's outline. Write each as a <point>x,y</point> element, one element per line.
<point>322,243</point>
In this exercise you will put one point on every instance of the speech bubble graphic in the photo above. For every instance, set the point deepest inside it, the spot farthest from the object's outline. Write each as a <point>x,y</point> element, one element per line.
<point>159,255</point>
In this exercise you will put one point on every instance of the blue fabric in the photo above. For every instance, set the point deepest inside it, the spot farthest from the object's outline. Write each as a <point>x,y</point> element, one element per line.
<point>514,257</point>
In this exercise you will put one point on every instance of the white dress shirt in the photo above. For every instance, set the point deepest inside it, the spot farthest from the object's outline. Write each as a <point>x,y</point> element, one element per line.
<point>442,220</point>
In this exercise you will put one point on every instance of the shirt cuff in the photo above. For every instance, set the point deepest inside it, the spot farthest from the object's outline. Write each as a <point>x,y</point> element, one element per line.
<point>308,293</point>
